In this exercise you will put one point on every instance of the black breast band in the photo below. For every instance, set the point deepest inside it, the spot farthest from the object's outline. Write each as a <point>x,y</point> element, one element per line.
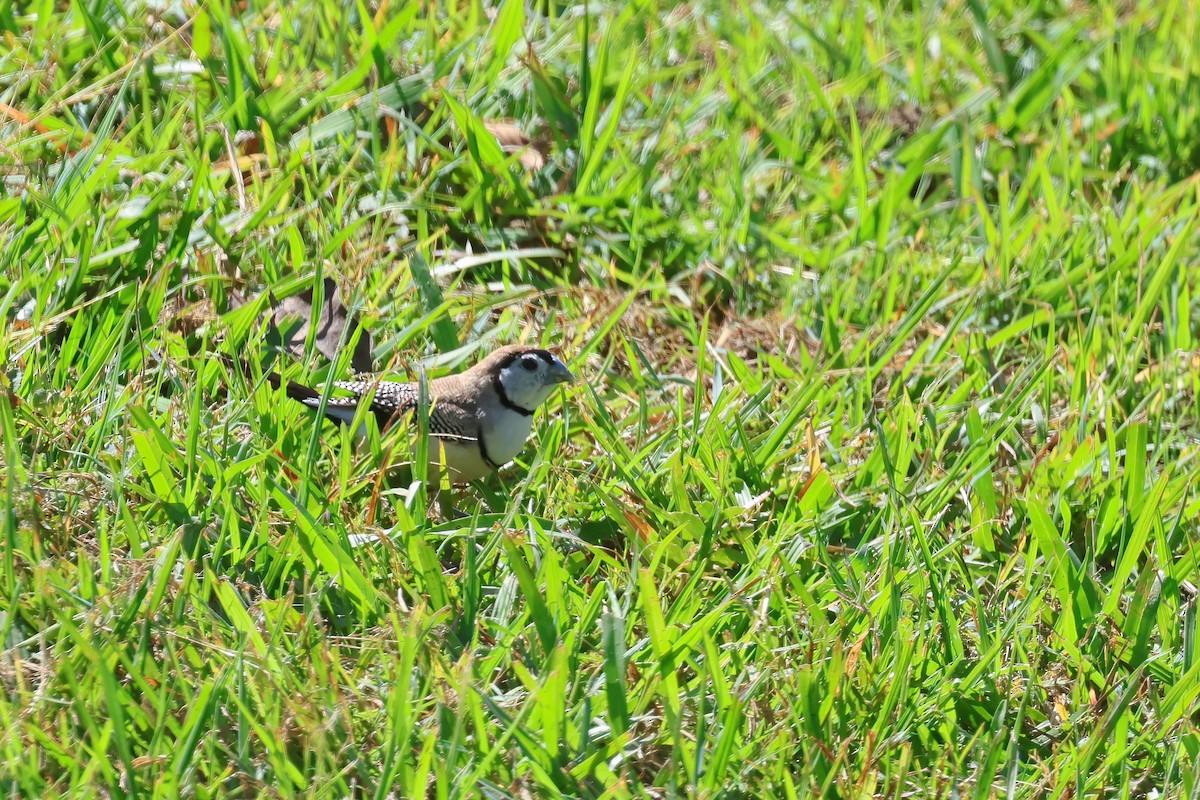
<point>505,400</point>
<point>483,453</point>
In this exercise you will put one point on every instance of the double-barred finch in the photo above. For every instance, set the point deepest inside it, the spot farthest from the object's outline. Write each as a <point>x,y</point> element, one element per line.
<point>480,418</point>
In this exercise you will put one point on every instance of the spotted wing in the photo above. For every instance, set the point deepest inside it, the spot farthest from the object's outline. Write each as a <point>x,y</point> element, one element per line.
<point>392,400</point>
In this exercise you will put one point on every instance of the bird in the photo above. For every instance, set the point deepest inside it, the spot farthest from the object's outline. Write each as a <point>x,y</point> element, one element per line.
<point>479,419</point>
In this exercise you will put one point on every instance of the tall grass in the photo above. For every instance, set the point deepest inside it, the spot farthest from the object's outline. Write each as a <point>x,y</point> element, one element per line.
<point>880,480</point>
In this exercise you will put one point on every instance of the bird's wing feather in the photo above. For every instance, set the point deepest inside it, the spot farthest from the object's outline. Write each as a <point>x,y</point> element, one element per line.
<point>447,419</point>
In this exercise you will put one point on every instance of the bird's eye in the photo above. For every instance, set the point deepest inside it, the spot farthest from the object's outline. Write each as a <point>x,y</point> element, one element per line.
<point>530,364</point>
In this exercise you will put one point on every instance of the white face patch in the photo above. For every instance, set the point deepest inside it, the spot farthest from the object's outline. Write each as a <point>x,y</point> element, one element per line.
<point>529,380</point>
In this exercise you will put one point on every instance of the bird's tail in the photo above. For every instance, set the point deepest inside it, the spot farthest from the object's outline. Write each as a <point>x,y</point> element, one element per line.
<point>296,391</point>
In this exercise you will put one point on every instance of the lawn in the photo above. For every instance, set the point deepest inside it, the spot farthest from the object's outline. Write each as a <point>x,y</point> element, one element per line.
<point>880,478</point>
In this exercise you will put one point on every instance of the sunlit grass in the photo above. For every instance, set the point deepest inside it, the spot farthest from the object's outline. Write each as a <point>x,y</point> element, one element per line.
<point>880,480</point>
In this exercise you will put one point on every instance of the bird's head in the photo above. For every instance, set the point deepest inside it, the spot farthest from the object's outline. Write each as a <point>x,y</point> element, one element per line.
<point>525,376</point>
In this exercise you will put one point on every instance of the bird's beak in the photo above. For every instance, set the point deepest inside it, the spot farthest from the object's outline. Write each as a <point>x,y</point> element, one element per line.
<point>559,373</point>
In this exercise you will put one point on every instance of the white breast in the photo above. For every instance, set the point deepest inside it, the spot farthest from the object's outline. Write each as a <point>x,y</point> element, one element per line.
<point>463,460</point>
<point>505,433</point>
